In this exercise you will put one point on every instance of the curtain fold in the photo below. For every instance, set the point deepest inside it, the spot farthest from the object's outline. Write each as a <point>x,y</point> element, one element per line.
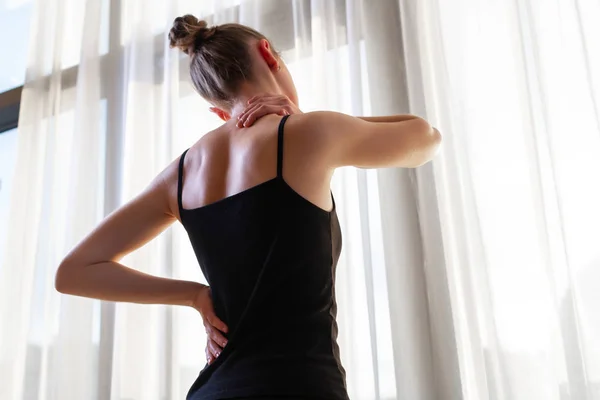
<point>473,277</point>
<point>513,86</point>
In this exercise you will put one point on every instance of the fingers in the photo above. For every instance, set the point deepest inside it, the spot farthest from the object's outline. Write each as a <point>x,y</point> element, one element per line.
<point>216,336</point>
<point>243,116</point>
<point>212,351</point>
<point>215,342</point>
<point>254,113</point>
<point>261,105</point>
<point>207,311</point>
<point>210,358</point>
<point>254,108</point>
<point>214,321</point>
<point>215,328</point>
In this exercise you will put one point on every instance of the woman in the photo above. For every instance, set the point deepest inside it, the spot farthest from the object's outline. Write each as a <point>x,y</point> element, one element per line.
<point>254,198</point>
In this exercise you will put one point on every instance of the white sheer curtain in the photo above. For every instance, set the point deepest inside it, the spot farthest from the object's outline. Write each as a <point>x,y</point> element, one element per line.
<point>472,277</point>
<point>509,211</point>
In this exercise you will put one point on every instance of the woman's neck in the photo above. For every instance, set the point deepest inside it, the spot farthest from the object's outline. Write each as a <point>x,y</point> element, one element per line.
<point>248,92</point>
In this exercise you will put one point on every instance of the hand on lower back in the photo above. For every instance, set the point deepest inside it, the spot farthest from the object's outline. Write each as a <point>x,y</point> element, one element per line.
<point>262,105</point>
<point>215,328</point>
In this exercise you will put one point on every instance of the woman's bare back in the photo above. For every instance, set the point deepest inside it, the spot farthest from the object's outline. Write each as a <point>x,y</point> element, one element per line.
<point>230,160</point>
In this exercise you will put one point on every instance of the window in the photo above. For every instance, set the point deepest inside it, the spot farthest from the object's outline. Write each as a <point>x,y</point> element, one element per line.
<point>8,156</point>
<point>15,18</point>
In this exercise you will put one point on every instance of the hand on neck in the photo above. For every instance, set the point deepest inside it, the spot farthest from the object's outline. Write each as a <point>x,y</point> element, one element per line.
<point>249,91</point>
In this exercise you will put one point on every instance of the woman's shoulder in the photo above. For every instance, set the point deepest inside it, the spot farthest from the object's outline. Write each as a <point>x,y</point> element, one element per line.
<point>317,121</point>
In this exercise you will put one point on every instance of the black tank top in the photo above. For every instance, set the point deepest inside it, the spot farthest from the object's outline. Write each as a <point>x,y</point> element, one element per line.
<point>269,256</point>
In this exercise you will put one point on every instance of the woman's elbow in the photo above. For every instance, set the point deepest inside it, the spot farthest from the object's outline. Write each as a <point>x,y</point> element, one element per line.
<point>62,280</point>
<point>434,143</point>
<point>428,149</point>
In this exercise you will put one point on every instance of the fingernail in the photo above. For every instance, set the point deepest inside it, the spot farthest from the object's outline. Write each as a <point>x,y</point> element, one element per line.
<point>218,354</point>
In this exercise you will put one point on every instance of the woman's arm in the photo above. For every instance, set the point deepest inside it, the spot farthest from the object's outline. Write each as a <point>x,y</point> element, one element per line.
<point>92,268</point>
<point>266,104</point>
<point>112,281</point>
<point>336,140</point>
<point>365,142</point>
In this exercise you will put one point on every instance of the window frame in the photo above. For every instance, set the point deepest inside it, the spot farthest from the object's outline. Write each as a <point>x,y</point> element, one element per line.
<point>10,104</point>
<point>10,100</point>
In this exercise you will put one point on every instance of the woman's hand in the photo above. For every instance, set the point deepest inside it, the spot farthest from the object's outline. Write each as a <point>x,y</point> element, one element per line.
<point>215,328</point>
<point>259,106</point>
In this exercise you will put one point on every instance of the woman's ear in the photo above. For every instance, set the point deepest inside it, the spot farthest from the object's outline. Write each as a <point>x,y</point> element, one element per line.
<point>224,115</point>
<point>264,48</point>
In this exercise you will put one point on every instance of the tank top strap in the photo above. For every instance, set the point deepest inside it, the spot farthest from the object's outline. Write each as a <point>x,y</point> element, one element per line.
<point>180,181</point>
<point>280,147</point>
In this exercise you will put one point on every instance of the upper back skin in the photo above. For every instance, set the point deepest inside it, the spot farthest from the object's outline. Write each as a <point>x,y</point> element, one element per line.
<point>230,160</point>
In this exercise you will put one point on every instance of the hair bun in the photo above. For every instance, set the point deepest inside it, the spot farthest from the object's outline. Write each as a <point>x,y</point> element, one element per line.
<point>188,33</point>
